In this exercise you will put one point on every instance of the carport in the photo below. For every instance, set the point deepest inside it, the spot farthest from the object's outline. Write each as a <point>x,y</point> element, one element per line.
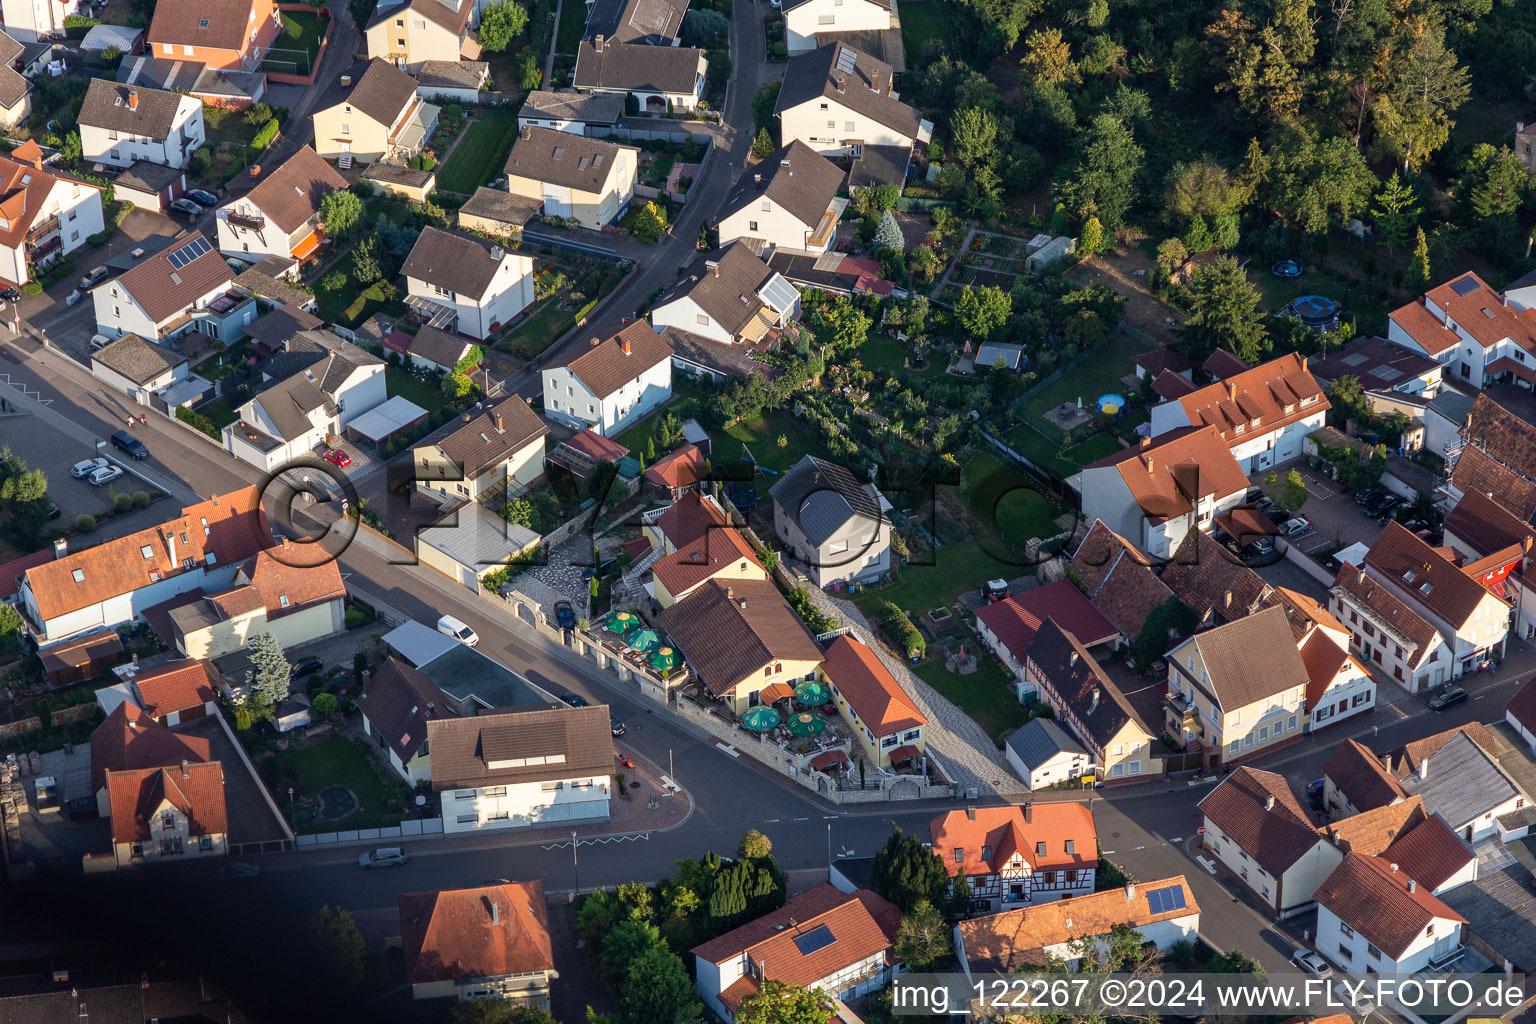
<point>1246,525</point>
<point>379,425</point>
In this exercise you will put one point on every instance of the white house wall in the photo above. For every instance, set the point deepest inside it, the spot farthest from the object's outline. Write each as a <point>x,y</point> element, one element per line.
<point>119,149</point>
<point>687,315</point>
<point>803,22</point>
<point>525,805</point>
<point>828,126</point>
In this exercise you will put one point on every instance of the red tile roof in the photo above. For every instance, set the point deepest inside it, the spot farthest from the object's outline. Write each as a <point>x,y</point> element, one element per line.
<point>1115,576</point>
<point>1222,364</point>
<point>486,932</point>
<point>1016,621</point>
<point>1501,434</point>
<point>1481,312</point>
<point>12,572</point>
<point>870,689</point>
<point>1274,393</point>
<point>990,836</point>
<point>683,467</point>
<point>1372,831</point>
<point>689,519</point>
<point>1373,899</point>
<point>130,740</point>
<point>288,588</point>
<point>1170,385</point>
<point>24,191</point>
<point>1478,472</point>
<point>1422,577</point>
<point>1523,705</point>
<point>1388,611</point>
<point>1167,475</point>
<point>176,687</point>
<point>1424,327</point>
<point>1430,852</point>
<point>596,447</point>
<point>1303,612</point>
<point>1276,837</point>
<point>691,565</point>
<point>1324,659</point>
<point>196,790</point>
<point>1361,777</point>
<point>862,924</point>
<point>1212,581</point>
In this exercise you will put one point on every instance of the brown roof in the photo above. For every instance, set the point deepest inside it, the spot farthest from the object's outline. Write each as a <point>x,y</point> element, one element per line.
<point>1430,851</point>
<point>379,89</point>
<point>1063,665</point>
<point>1272,393</point>
<point>861,924</point>
<point>138,360</point>
<point>841,74</point>
<point>1014,939</point>
<point>681,467</point>
<point>1116,577</point>
<point>80,652</point>
<point>1170,385</point>
<point>197,790</point>
<point>435,346</point>
<point>1378,364</point>
<point>689,518</point>
<point>731,631</point>
<point>1156,360</point>
<point>1373,899</point>
<point>870,689</point>
<point>1016,620</point>
<point>1477,471</point>
<point>1276,837</point>
<point>498,205</point>
<point>113,107</point>
<point>1046,835</point>
<point>290,195</point>
<point>24,191</point>
<point>399,700</point>
<point>478,444</point>
<point>12,572</point>
<point>1485,524</point>
<point>1388,611</point>
<point>1250,659</point>
<point>1372,831</point>
<point>215,24</point>
<point>165,289</point>
<point>458,262</point>
<point>692,564</point>
<point>1523,704</point>
<point>795,177</point>
<point>175,687</point>
<point>1303,612</point>
<point>596,447</point>
<point>130,739</point>
<point>1479,310</point>
<point>725,285</point>
<point>1222,364</point>
<point>1424,327</point>
<point>604,365</point>
<point>1211,580</point>
<point>1167,475</point>
<point>636,66</point>
<point>561,158</point>
<point>1324,658</point>
<point>236,529</point>
<point>1427,579</point>
<point>1502,434</point>
<point>1361,777</point>
<point>285,588</point>
<point>440,12</point>
<point>495,748</point>
<point>486,932</point>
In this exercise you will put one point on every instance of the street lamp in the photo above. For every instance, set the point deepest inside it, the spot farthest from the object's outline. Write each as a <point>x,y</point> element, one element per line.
<point>575,863</point>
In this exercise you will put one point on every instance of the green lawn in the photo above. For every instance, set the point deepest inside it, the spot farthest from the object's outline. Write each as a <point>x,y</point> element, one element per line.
<point>352,304</point>
<point>1353,298</point>
<point>423,393</point>
<point>538,332</point>
<point>339,762</point>
<point>222,364</point>
<point>573,23</point>
<point>957,566</point>
<point>920,22</point>
<point>302,33</point>
<point>884,353</point>
<point>984,694</point>
<point>480,153</point>
<point>219,411</point>
<point>1048,452</point>
<point>761,438</point>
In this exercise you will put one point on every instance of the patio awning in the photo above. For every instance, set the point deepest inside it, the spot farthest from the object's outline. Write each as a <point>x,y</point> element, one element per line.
<point>308,244</point>
<point>905,753</point>
<point>385,420</point>
<point>434,314</point>
<point>821,762</point>
<point>775,692</point>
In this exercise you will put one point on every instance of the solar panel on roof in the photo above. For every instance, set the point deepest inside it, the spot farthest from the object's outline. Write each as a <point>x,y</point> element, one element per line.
<point>1466,286</point>
<point>1354,359</point>
<point>819,937</point>
<point>847,60</point>
<point>189,252</point>
<point>1161,901</point>
<point>1387,374</point>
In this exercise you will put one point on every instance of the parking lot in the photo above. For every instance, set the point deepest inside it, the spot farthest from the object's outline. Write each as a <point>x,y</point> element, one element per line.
<point>1337,521</point>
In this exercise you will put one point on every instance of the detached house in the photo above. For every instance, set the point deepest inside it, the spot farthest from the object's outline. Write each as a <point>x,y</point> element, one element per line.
<point>295,603</point>
<point>396,703</point>
<point>612,383</point>
<point>662,79</point>
<point>488,942</point>
<point>161,814</point>
<point>840,943</point>
<point>44,215</point>
<point>767,642</point>
<point>833,525</point>
<point>1256,828</point>
<point>459,282</point>
<point>522,767</point>
<point>838,100</point>
<point>806,22</point>
<point>123,124</point>
<point>886,721</point>
<point>371,112</point>
<point>138,368</point>
<point>407,33</point>
<point>1018,855</point>
<point>187,287</point>
<point>221,34</point>
<point>280,216</point>
<point>1471,330</point>
<point>650,22</point>
<point>132,740</point>
<point>788,200</point>
<point>28,21</point>
<point>588,180</point>
<point>730,297</point>
<point>1373,918</point>
<point>503,447</point>
<point>1161,491</point>
<point>15,89</point>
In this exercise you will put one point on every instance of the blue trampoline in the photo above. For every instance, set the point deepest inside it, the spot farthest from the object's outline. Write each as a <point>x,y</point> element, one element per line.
<point>1286,268</point>
<point>1315,310</point>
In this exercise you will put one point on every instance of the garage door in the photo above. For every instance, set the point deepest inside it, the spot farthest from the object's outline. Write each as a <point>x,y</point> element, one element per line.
<point>555,206</point>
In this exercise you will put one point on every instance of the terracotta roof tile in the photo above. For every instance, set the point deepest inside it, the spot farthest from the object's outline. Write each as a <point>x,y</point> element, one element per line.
<point>285,588</point>
<point>690,566</point>
<point>1366,894</point>
<point>1222,364</point>
<point>11,573</point>
<point>1361,777</point>
<point>861,924</point>
<point>163,289</point>
<point>1116,577</point>
<point>130,740</point>
<point>1478,472</point>
<point>1276,837</point>
<point>175,687</point>
<point>1156,360</point>
<point>1372,831</point>
<point>1503,435</point>
<point>1262,393</point>
<point>1430,851</point>
<point>1210,579</point>
<point>24,191</point>
<point>485,932</point>
<point>989,837</point>
<point>1389,612</point>
<point>197,790</point>
<point>1424,327</point>
<point>1423,578</point>
<point>682,467</point>
<point>870,689</point>
<point>290,195</point>
<point>1479,310</point>
<point>1166,475</point>
<point>1324,657</point>
<point>689,518</point>
<point>213,24</point>
<point>1303,612</point>
<point>1016,620</point>
<point>1171,386</point>
<point>731,631</point>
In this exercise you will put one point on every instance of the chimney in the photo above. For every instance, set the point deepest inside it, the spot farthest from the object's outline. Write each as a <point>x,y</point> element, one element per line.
<point>597,43</point>
<point>624,346</point>
<point>1232,391</point>
<point>1269,802</point>
<point>595,342</point>
<point>743,603</point>
<point>1029,814</point>
<point>1413,885</point>
<point>1394,868</point>
<point>1519,127</point>
<point>523,132</point>
<point>346,81</point>
<point>1130,891</point>
<point>1424,769</point>
<point>970,814</point>
<point>466,417</point>
<point>713,265</point>
<point>1095,705</point>
<point>757,178</point>
<point>495,912</point>
<point>1148,460</point>
<point>133,99</point>
<point>255,170</point>
<point>1303,362</point>
<point>184,772</point>
<point>61,547</point>
<point>496,422</point>
<point>497,252</point>
<point>1146,443</point>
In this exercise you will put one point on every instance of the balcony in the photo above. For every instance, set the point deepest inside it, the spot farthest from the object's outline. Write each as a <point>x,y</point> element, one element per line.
<point>39,250</point>
<point>246,220</point>
<point>43,228</point>
<point>1182,715</point>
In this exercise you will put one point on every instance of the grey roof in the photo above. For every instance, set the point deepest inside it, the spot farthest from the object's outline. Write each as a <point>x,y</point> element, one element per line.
<point>841,74</point>
<point>561,158</point>
<point>397,175</point>
<point>159,74</point>
<point>288,405</point>
<point>306,350</point>
<point>715,356</point>
<point>883,43</point>
<point>269,285</point>
<point>636,21</point>
<point>439,347</point>
<point>1529,277</point>
<point>276,327</point>
<point>453,74</point>
<point>790,5</point>
<point>502,207</point>
<point>475,536</point>
<point>453,260</point>
<point>12,85</point>
<point>880,165</point>
<point>466,674</point>
<point>131,256</point>
<point>378,89</point>
<point>725,285</point>
<point>417,643</point>
<point>638,68</point>
<point>1500,905</point>
<point>821,496</point>
<point>107,106</point>
<point>1453,405</point>
<point>520,745</point>
<point>139,360</point>
<point>148,177</point>
<point>1039,740</point>
<point>587,107</point>
<point>1525,817</point>
<point>795,177</point>
<point>1463,782</point>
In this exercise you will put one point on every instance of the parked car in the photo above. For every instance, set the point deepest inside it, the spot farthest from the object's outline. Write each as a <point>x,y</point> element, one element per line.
<point>198,195</point>
<point>1253,495</point>
<point>94,278</point>
<point>85,468</point>
<point>387,857</point>
<point>575,700</point>
<point>1386,508</point>
<point>104,475</point>
<point>1311,962</point>
<point>616,725</point>
<point>126,442</point>
<point>1385,500</point>
<point>306,667</point>
<point>54,511</point>
<point>185,207</point>
<point>565,615</point>
<point>337,457</point>
<point>1315,789</point>
<point>1265,504</point>
<point>995,590</point>
<point>1295,527</point>
<point>10,294</point>
<point>240,871</point>
<point>99,341</point>
<point>1276,515</point>
<point>450,626</point>
<point>1372,494</point>
<point>1449,696</point>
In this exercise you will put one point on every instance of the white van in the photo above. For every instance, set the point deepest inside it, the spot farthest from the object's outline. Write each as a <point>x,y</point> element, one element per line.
<point>450,626</point>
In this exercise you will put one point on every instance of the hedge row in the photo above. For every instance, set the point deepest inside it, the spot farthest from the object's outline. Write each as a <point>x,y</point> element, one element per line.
<point>901,630</point>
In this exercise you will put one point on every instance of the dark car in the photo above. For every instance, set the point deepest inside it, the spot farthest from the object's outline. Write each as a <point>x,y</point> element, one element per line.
<point>995,590</point>
<point>184,207</point>
<point>307,667</point>
<point>575,700</point>
<point>1448,697</point>
<point>1276,515</point>
<point>565,616</point>
<point>1315,789</point>
<point>10,294</point>
<point>126,442</point>
<point>1265,505</point>
<point>1387,508</point>
<point>616,725</point>
<point>197,195</point>
<point>1382,501</point>
<point>1373,494</point>
<point>94,278</point>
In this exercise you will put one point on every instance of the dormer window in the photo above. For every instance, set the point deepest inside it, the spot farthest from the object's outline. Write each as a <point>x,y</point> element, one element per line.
<point>1238,429</point>
<point>1290,409</point>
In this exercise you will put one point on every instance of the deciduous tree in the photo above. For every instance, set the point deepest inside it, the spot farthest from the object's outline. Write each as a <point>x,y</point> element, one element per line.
<point>778,1003</point>
<point>1047,58</point>
<point>341,212</point>
<point>983,310</point>
<point>500,23</point>
<point>923,936</point>
<point>1104,182</point>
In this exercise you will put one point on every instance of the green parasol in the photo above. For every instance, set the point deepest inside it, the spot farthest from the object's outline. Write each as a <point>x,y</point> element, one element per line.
<point>664,659</point>
<point>644,641</point>
<point>760,719</point>
<point>811,692</point>
<point>622,622</point>
<point>805,724</point>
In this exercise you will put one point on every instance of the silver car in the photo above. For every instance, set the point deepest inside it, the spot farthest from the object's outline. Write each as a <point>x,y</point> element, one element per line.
<point>1311,962</point>
<point>387,857</point>
<point>104,475</point>
<point>81,470</point>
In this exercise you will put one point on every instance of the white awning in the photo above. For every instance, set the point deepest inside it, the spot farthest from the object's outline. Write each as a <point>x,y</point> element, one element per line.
<point>395,414</point>
<point>101,37</point>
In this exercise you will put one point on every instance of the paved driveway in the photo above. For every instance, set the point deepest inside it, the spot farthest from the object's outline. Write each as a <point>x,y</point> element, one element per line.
<point>1336,519</point>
